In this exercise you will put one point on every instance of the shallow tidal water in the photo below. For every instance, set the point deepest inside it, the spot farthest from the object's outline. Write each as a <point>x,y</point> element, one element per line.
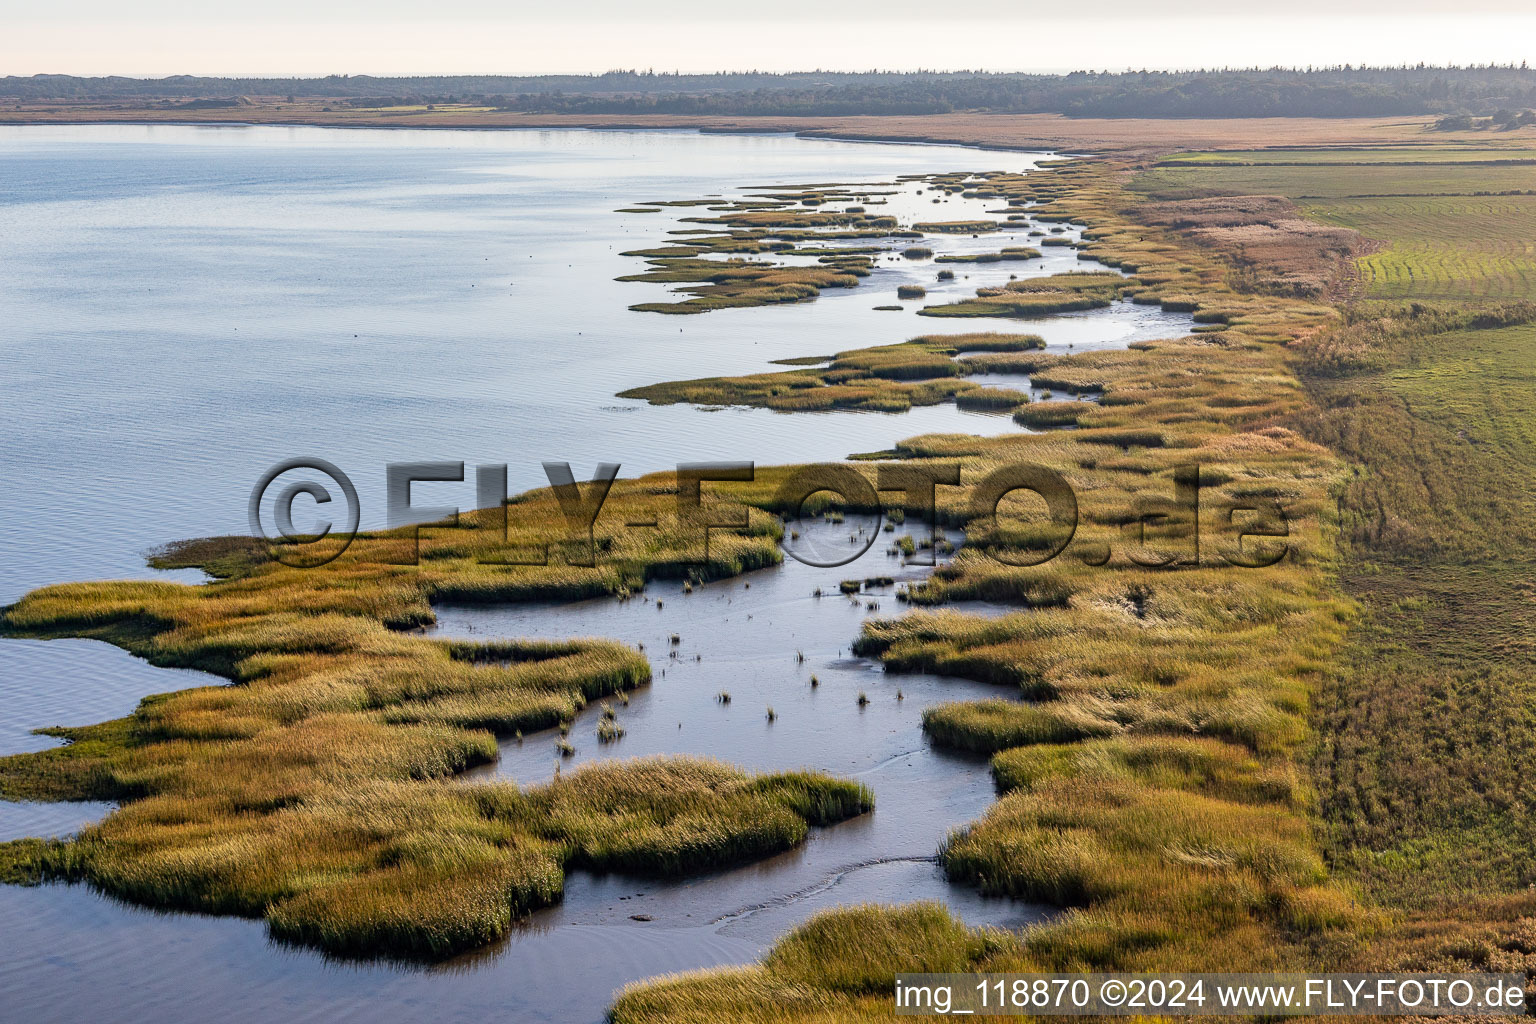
<point>184,307</point>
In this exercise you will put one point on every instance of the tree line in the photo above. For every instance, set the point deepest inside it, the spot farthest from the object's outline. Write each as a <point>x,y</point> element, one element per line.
<point>1343,91</point>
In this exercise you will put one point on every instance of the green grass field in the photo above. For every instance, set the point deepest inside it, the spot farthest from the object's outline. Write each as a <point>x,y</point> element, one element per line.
<point>1339,181</point>
<point>1423,762</point>
<point>1516,149</point>
<point>1442,229</point>
<point>1447,247</point>
<point>1426,763</point>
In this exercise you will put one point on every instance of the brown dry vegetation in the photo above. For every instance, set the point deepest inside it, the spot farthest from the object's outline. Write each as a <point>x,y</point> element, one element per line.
<point>1442,223</point>
<point>1268,238</point>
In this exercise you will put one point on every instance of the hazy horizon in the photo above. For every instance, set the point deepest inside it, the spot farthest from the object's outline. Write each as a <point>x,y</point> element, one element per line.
<point>289,39</point>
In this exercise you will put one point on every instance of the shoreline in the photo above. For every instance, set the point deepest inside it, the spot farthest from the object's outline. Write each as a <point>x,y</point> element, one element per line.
<point>1143,137</point>
<point>809,133</point>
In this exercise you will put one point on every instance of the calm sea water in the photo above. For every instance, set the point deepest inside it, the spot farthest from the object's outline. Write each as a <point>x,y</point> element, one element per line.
<point>181,307</point>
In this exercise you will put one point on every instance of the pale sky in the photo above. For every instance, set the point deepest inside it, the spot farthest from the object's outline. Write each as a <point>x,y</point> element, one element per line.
<point>316,37</point>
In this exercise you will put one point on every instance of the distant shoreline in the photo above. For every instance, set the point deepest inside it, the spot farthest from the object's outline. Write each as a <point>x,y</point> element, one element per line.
<point>827,136</point>
<point>999,132</point>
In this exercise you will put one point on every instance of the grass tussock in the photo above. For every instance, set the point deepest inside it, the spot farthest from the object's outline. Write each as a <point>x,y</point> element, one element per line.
<point>835,967</point>
<point>956,227</point>
<point>736,283</point>
<point>1107,844</point>
<point>1190,764</point>
<point>1012,253</point>
<point>986,727</point>
<point>1059,293</point>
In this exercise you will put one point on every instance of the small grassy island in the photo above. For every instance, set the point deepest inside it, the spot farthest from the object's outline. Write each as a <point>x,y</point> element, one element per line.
<point>883,378</point>
<point>773,223</point>
<point>791,221</point>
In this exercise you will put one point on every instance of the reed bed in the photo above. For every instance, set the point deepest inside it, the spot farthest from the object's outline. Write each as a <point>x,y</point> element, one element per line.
<point>315,790</point>
<point>1152,710</point>
<point>1015,253</point>
<point>956,227</point>
<point>1150,719</point>
<point>714,285</point>
<point>765,227</point>
<point>986,727</point>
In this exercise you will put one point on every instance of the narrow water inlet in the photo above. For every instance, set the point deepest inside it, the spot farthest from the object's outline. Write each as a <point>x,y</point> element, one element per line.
<point>761,638</point>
